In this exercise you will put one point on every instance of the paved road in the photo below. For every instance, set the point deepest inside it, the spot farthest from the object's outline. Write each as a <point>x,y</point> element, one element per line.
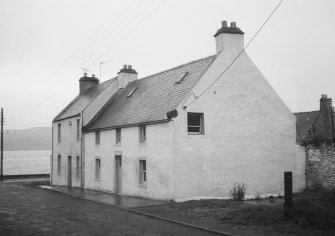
<point>27,210</point>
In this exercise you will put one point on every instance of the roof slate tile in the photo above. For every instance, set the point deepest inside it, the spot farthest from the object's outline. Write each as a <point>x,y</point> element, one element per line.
<point>154,97</point>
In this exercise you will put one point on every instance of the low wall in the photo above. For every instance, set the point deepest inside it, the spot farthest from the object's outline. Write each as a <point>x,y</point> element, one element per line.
<point>320,166</point>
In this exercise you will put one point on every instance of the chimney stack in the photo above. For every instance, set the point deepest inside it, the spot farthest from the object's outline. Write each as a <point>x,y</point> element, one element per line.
<point>325,103</point>
<point>230,40</point>
<point>323,126</point>
<point>126,75</point>
<point>86,83</point>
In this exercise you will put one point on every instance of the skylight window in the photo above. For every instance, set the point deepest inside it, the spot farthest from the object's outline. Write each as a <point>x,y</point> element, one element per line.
<point>131,92</point>
<point>181,77</point>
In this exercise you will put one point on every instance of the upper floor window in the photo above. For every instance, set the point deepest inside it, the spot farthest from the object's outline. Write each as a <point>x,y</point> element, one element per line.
<point>195,123</point>
<point>78,129</point>
<point>118,135</point>
<point>97,137</point>
<point>142,132</point>
<point>59,130</point>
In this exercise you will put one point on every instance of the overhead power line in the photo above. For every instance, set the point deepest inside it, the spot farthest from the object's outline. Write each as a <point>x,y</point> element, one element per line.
<point>247,45</point>
<point>69,59</point>
<point>131,30</point>
<point>104,35</point>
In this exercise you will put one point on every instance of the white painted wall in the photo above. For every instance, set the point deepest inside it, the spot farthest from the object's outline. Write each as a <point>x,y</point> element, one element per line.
<point>157,151</point>
<point>249,135</point>
<point>69,146</point>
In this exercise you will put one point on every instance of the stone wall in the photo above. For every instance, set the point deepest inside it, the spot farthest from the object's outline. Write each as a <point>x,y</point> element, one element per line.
<point>320,166</point>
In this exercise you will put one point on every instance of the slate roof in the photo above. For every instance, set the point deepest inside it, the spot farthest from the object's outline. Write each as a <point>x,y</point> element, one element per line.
<point>82,101</point>
<point>304,125</point>
<point>154,96</point>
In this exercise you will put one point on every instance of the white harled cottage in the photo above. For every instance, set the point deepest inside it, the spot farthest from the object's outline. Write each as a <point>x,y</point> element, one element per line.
<point>177,134</point>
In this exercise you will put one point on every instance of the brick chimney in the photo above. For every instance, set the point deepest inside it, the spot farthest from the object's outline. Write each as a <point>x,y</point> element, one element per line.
<point>324,124</point>
<point>229,39</point>
<point>86,83</point>
<point>325,103</point>
<point>126,75</point>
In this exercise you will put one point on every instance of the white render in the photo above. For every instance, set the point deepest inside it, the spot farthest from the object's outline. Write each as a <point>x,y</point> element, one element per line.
<point>157,151</point>
<point>69,146</point>
<point>249,134</point>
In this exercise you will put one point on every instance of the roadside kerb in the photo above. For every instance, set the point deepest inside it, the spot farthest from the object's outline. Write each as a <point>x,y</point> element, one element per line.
<point>146,214</point>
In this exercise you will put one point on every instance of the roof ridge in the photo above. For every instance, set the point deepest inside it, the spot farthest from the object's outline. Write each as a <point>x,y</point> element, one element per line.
<point>110,83</point>
<point>174,68</point>
<point>78,96</point>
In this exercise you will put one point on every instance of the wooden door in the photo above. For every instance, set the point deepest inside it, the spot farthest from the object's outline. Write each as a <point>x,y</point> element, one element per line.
<point>69,171</point>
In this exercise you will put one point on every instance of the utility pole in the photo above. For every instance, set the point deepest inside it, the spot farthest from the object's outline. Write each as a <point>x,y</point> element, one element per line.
<point>1,144</point>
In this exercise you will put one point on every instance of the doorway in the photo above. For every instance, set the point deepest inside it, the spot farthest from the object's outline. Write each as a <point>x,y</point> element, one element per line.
<point>118,174</point>
<point>69,171</point>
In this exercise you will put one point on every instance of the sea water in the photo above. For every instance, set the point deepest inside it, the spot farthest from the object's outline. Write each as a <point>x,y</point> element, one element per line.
<point>26,162</point>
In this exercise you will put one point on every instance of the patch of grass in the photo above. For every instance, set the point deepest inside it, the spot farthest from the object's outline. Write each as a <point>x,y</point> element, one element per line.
<point>315,209</point>
<point>255,214</point>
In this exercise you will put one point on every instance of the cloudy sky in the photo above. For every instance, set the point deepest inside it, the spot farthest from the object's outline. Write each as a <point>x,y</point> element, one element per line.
<point>44,44</point>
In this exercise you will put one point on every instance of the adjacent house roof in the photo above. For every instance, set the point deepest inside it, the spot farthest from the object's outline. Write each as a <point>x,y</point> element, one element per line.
<point>149,99</point>
<point>305,121</point>
<point>83,100</point>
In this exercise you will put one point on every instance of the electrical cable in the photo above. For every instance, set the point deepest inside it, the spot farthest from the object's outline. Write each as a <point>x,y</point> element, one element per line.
<point>196,98</point>
<point>132,29</point>
<point>105,35</point>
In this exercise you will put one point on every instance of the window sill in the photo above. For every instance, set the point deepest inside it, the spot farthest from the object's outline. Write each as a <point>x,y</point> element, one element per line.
<point>142,185</point>
<point>191,133</point>
<point>118,145</point>
<point>98,180</point>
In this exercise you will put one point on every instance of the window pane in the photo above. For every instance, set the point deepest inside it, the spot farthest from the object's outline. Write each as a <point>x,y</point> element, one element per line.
<point>144,165</point>
<point>59,133</point>
<point>194,119</point>
<point>194,129</point>
<point>78,129</point>
<point>97,137</point>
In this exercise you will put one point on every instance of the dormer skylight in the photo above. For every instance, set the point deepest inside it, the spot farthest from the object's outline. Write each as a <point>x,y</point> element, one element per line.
<point>181,77</point>
<point>131,92</point>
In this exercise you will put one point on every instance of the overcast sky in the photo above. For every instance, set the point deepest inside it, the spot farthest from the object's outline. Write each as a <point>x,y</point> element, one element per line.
<point>44,43</point>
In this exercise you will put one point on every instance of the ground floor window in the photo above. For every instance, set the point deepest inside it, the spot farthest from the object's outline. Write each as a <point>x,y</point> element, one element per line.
<point>97,168</point>
<point>59,162</point>
<point>77,166</point>
<point>143,172</point>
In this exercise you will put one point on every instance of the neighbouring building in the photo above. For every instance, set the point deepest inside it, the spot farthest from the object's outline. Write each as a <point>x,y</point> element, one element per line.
<point>315,132</point>
<point>189,132</point>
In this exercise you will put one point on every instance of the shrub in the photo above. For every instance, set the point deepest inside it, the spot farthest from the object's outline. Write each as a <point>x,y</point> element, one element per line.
<point>238,191</point>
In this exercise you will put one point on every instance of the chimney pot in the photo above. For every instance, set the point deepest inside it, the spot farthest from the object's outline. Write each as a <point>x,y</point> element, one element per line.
<point>93,75</point>
<point>129,67</point>
<point>224,23</point>
<point>233,24</point>
<point>85,74</point>
<point>124,66</point>
<point>325,95</point>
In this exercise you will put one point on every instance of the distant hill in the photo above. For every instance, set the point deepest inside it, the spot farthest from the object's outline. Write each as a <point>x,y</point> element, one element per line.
<point>38,138</point>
